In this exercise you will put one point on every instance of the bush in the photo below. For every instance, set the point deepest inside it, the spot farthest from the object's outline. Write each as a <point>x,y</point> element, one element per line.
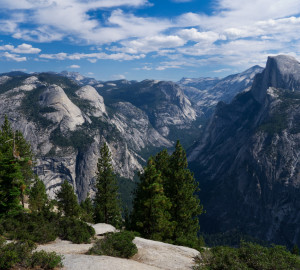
<point>248,257</point>
<point>75,230</point>
<point>20,254</point>
<point>34,227</point>
<point>45,260</point>
<point>116,245</point>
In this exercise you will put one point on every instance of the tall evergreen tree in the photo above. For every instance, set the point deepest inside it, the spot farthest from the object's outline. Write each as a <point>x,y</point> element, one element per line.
<point>106,201</point>
<point>15,168</point>
<point>181,187</point>
<point>38,199</point>
<point>67,200</point>
<point>87,210</point>
<point>150,214</point>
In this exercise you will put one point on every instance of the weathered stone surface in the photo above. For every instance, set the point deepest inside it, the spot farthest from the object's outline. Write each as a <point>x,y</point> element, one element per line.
<point>164,256</point>
<point>103,228</point>
<point>67,114</point>
<point>79,262</point>
<point>90,94</point>
<point>248,161</point>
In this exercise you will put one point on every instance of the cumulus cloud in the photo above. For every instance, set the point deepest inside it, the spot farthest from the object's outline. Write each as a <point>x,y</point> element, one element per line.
<point>14,57</point>
<point>23,49</point>
<point>236,32</point>
<point>150,44</point>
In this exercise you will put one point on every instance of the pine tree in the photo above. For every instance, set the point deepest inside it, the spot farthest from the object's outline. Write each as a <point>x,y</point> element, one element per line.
<point>106,201</point>
<point>15,168</point>
<point>38,199</point>
<point>87,210</point>
<point>182,189</point>
<point>150,214</point>
<point>67,200</point>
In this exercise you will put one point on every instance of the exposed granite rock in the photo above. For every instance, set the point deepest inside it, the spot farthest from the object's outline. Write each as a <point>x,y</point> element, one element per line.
<point>66,113</point>
<point>90,94</point>
<point>248,161</point>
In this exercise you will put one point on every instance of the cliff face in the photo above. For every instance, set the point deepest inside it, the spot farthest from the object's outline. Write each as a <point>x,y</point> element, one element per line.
<point>66,122</point>
<point>67,117</point>
<point>247,162</point>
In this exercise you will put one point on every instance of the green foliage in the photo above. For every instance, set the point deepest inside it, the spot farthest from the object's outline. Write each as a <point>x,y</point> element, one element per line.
<point>181,187</point>
<point>75,230</point>
<point>32,109</point>
<point>78,139</point>
<point>107,203</point>
<point>116,245</point>
<point>151,215</point>
<point>19,255</point>
<point>166,206</point>
<point>45,260</point>
<point>248,257</point>
<point>67,200</point>
<point>15,169</point>
<point>38,199</point>
<point>87,210</point>
<point>36,227</point>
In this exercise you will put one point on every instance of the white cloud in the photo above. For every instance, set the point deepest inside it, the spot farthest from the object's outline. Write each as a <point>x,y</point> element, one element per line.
<point>236,32</point>
<point>150,44</point>
<point>14,57</point>
<point>118,77</point>
<point>23,49</point>
<point>74,66</point>
<point>193,34</point>
<point>91,56</point>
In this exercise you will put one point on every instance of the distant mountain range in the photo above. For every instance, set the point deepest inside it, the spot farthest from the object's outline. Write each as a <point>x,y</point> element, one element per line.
<point>242,133</point>
<point>247,162</point>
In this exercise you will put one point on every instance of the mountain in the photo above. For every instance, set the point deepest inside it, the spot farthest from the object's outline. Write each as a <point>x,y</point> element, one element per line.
<point>248,161</point>
<point>66,122</point>
<point>207,92</point>
<point>66,117</point>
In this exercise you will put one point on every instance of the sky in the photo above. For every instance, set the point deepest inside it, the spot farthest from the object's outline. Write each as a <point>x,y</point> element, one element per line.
<point>146,39</point>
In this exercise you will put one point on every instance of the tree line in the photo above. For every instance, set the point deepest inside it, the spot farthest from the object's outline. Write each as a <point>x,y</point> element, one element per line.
<point>166,205</point>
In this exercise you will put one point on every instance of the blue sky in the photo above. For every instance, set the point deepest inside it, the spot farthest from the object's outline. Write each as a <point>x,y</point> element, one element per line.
<point>139,39</point>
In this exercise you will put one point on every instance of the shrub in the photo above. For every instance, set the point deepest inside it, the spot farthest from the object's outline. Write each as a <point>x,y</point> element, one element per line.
<point>45,260</point>
<point>20,254</point>
<point>248,257</point>
<point>75,230</point>
<point>116,245</point>
<point>34,227</point>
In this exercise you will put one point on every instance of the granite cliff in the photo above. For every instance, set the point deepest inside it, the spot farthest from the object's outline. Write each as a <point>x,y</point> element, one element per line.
<point>248,161</point>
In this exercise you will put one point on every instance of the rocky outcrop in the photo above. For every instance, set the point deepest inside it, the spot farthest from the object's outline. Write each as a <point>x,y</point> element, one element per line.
<point>207,92</point>
<point>151,255</point>
<point>67,123</point>
<point>247,162</point>
<point>90,94</point>
<point>67,114</point>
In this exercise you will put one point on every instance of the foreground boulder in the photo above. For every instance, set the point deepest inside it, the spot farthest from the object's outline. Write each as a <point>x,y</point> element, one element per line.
<point>164,256</point>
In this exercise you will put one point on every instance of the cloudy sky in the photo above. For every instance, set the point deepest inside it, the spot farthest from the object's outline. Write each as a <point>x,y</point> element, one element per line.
<point>139,39</point>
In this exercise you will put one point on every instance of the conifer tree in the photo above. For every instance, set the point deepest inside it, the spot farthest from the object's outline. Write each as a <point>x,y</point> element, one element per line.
<point>38,199</point>
<point>15,168</point>
<point>150,214</point>
<point>87,210</point>
<point>181,187</point>
<point>67,200</point>
<point>106,201</point>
